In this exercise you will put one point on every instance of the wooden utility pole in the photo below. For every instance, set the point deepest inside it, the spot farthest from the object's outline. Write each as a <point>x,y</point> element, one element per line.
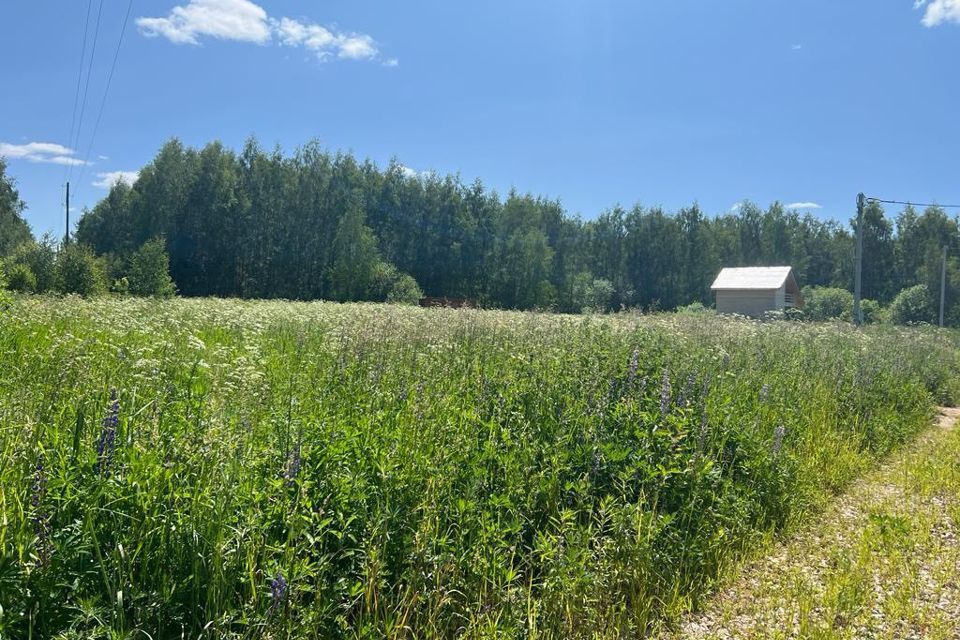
<point>66,235</point>
<point>943,282</point>
<point>857,313</point>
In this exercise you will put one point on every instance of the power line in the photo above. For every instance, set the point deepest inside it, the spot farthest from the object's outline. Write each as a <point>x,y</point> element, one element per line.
<point>76,96</point>
<point>915,204</point>
<point>86,87</point>
<point>103,101</point>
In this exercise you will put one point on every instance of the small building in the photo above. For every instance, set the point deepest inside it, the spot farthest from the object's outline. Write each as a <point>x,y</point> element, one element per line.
<point>753,291</point>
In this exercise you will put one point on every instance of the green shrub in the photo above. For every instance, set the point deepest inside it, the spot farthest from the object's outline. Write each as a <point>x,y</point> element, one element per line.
<point>873,312</point>
<point>79,271</point>
<point>150,271</point>
<point>913,305</point>
<point>40,258</point>
<point>827,303</point>
<point>20,278</point>
<point>591,294</point>
<point>387,284</point>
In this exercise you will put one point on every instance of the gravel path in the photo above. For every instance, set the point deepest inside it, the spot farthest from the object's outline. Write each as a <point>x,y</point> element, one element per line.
<point>882,562</point>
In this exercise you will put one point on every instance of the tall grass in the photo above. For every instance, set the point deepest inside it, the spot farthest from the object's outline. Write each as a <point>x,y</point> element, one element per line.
<point>275,469</point>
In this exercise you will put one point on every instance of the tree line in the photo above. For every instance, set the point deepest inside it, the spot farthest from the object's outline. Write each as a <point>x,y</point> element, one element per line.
<point>315,224</point>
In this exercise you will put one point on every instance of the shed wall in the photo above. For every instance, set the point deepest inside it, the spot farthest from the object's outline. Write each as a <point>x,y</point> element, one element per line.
<point>747,302</point>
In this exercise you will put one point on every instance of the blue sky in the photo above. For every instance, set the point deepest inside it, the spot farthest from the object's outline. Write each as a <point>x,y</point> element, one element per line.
<point>662,102</point>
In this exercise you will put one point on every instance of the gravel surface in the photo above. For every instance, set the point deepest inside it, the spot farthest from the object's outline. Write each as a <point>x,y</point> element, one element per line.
<point>882,562</point>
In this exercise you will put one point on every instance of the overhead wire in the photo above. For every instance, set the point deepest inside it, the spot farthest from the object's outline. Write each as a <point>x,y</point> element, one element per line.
<point>76,95</point>
<point>106,91</point>
<point>86,87</point>
<point>914,204</point>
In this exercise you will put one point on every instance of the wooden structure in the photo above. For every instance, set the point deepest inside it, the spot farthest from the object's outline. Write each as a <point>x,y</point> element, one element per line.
<point>754,291</point>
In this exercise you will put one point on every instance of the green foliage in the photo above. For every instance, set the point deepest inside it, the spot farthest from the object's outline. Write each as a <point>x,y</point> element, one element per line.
<point>79,271</point>
<point>913,305</point>
<point>591,294</point>
<point>872,311</point>
<point>695,308</point>
<point>355,258</point>
<point>40,258</point>
<point>20,278</point>
<point>418,472</point>
<point>150,271</point>
<point>14,230</point>
<point>827,303</point>
<point>4,294</point>
<point>389,285</point>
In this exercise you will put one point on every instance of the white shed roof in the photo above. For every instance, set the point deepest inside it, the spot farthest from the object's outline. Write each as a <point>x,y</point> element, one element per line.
<point>740,278</point>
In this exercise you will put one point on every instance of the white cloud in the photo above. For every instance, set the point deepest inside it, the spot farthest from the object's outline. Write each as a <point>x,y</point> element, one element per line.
<point>736,207</point>
<point>225,19</point>
<point>939,11</point>
<point>797,47</point>
<point>46,152</point>
<point>245,21</point>
<point>803,205</point>
<point>110,178</point>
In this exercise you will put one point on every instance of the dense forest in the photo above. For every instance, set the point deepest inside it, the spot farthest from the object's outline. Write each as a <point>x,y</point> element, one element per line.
<point>259,224</point>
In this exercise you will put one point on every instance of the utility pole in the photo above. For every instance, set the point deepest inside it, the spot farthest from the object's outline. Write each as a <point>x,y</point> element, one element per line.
<point>857,313</point>
<point>943,282</point>
<point>66,236</point>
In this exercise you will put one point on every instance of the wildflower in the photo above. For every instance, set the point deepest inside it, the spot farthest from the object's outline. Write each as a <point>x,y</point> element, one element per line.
<point>686,391</point>
<point>665,393</point>
<point>778,435</point>
<point>108,436</point>
<point>634,364</point>
<point>293,466</point>
<point>764,393</point>
<point>278,593</point>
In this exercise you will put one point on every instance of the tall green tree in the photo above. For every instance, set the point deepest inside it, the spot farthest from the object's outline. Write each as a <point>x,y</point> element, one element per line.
<point>14,230</point>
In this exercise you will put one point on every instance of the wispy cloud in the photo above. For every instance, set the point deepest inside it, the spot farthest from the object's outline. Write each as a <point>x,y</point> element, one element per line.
<point>939,11</point>
<point>46,152</point>
<point>796,47</point>
<point>803,205</point>
<point>246,21</point>
<point>737,206</point>
<point>110,178</point>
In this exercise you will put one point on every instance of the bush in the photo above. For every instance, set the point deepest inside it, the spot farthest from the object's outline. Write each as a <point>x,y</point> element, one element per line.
<point>387,284</point>
<point>78,271</point>
<point>873,312</point>
<point>150,271</point>
<point>913,305</point>
<point>591,294</point>
<point>827,303</point>
<point>40,258</point>
<point>20,278</point>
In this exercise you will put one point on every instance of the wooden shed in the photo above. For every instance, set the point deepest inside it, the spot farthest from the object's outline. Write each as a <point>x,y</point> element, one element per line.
<point>753,291</point>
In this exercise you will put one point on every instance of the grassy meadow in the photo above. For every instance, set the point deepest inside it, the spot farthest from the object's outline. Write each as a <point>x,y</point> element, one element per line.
<point>227,469</point>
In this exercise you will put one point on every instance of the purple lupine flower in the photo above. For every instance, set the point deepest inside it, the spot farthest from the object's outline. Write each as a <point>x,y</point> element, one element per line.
<point>764,393</point>
<point>778,435</point>
<point>685,392</point>
<point>278,593</point>
<point>665,393</point>
<point>41,519</point>
<point>108,436</point>
<point>293,466</point>
<point>634,364</point>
